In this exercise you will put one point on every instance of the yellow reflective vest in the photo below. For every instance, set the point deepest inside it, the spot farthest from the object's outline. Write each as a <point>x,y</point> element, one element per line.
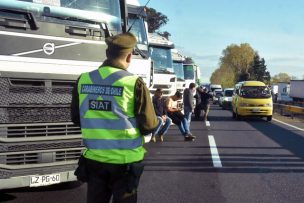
<point>108,124</point>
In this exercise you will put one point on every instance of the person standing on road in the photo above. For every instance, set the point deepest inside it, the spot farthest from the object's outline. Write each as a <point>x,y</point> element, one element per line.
<point>205,102</point>
<point>161,113</point>
<point>115,111</point>
<point>198,103</point>
<point>178,117</point>
<point>188,102</point>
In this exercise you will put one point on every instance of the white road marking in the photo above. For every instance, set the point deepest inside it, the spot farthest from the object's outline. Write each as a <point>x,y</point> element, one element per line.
<point>214,153</point>
<point>207,123</point>
<point>301,129</point>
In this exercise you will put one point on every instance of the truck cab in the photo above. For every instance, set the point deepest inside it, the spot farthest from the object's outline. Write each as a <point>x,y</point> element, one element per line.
<point>164,76</point>
<point>178,60</point>
<point>141,64</point>
<point>191,74</point>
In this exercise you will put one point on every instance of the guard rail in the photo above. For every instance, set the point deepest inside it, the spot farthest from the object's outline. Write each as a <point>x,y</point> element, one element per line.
<point>289,110</point>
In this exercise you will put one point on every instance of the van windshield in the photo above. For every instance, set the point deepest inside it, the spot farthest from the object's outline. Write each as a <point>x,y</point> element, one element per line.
<point>255,92</point>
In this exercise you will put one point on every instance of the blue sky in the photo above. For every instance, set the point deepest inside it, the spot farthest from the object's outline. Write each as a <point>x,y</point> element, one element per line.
<point>202,29</point>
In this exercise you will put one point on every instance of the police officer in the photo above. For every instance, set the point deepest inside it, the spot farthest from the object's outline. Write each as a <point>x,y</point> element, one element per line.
<point>115,111</point>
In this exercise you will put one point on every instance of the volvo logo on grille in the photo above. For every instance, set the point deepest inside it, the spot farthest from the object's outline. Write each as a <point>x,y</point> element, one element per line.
<point>49,48</point>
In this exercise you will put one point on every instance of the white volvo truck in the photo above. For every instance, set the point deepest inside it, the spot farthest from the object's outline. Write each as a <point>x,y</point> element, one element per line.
<point>45,46</point>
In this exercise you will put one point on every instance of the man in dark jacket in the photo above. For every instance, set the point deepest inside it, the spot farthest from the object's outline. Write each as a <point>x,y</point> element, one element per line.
<point>205,102</point>
<point>198,103</point>
<point>161,113</point>
<point>188,101</point>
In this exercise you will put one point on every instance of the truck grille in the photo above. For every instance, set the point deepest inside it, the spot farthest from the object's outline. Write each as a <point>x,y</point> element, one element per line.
<point>39,130</point>
<point>40,145</point>
<point>33,101</point>
<point>35,115</point>
<point>40,157</point>
<point>68,155</point>
<point>22,159</point>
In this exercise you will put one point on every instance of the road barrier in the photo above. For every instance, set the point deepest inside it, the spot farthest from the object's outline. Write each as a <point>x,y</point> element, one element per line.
<point>289,110</point>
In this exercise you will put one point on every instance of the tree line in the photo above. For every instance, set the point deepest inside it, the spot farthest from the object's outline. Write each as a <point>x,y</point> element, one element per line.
<point>240,63</point>
<point>237,63</point>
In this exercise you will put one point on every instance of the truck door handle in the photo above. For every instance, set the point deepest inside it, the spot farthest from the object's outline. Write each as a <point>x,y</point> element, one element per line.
<point>77,31</point>
<point>13,23</point>
<point>26,21</point>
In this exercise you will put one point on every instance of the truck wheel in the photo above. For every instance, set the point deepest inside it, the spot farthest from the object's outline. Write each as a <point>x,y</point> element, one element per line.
<point>269,118</point>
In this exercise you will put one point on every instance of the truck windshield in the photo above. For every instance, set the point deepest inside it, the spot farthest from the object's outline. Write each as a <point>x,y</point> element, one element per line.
<point>162,59</point>
<point>188,72</point>
<point>255,92</point>
<point>103,11</point>
<point>139,30</point>
<point>178,70</point>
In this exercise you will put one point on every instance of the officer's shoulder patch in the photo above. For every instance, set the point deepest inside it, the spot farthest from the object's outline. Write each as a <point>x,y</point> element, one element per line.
<point>101,90</point>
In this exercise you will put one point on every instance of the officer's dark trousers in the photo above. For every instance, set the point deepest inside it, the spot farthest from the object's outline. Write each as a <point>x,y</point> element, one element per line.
<point>105,180</point>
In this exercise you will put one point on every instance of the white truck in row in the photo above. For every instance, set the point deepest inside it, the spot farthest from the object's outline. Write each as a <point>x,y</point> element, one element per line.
<point>163,75</point>
<point>288,91</point>
<point>281,92</point>
<point>178,60</point>
<point>192,74</point>
<point>297,90</point>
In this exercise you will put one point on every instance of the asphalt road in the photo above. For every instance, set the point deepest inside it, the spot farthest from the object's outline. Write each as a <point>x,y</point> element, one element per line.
<point>251,160</point>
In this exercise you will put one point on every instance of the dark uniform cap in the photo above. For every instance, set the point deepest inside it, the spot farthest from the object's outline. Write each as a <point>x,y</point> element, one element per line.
<point>121,43</point>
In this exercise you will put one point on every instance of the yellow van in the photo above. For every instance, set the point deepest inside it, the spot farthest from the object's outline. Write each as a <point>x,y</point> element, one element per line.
<point>252,98</point>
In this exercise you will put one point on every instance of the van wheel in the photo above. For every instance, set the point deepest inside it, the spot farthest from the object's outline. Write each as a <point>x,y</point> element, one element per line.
<point>233,114</point>
<point>237,116</point>
<point>269,118</point>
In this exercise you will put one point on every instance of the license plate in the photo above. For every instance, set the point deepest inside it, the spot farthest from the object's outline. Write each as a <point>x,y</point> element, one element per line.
<point>256,109</point>
<point>43,180</point>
